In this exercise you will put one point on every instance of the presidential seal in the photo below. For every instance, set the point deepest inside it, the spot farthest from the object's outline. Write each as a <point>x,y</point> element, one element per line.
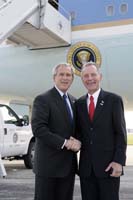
<point>81,53</point>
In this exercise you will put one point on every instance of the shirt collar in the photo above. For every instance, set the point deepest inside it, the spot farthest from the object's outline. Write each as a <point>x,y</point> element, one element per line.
<point>60,92</point>
<point>95,94</point>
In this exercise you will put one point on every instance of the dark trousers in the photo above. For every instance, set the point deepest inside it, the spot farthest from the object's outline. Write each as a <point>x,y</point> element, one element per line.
<point>93,188</point>
<point>54,188</point>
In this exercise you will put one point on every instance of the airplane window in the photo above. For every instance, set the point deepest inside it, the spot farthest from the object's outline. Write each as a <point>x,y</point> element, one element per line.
<point>110,10</point>
<point>123,8</point>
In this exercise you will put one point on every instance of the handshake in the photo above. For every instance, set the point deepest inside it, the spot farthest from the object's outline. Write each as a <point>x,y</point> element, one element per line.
<point>73,144</point>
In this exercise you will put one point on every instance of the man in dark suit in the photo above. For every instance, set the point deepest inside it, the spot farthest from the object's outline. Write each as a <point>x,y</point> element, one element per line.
<point>102,131</point>
<point>54,130</point>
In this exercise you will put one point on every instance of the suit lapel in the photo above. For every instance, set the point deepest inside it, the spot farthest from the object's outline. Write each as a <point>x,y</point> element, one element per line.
<point>72,101</point>
<point>98,109</point>
<point>60,103</point>
<point>99,106</point>
<point>85,109</point>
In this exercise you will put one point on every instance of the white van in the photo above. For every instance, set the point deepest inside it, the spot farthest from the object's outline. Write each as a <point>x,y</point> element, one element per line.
<point>16,138</point>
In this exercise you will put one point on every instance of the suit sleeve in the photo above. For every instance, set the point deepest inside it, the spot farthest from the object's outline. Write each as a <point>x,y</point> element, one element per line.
<point>40,124</point>
<point>120,132</point>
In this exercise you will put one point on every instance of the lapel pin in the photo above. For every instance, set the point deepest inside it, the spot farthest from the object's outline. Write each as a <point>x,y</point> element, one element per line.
<point>101,103</point>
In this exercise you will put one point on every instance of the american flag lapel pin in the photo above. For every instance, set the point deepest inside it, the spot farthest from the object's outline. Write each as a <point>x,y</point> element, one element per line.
<point>102,103</point>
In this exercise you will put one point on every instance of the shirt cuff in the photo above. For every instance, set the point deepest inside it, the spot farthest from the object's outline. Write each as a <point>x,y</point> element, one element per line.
<point>64,144</point>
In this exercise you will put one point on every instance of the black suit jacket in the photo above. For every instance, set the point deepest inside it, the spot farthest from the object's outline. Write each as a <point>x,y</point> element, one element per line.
<point>51,126</point>
<point>104,139</point>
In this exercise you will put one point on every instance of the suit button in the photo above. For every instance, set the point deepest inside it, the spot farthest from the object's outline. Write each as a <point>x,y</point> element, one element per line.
<point>91,129</point>
<point>91,142</point>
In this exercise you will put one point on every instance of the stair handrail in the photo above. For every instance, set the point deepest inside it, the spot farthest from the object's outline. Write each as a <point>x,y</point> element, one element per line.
<point>5,4</point>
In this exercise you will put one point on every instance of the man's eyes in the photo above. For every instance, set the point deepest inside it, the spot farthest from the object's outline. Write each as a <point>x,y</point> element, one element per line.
<point>91,75</point>
<point>68,75</point>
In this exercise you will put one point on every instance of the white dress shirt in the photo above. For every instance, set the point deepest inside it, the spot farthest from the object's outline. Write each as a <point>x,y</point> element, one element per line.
<point>95,96</point>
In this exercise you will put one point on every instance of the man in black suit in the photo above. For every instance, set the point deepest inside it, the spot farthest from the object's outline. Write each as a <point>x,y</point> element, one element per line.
<point>102,131</point>
<point>54,130</point>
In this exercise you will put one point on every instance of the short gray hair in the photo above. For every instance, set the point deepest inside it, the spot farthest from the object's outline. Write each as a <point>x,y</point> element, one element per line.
<point>55,69</point>
<point>89,64</point>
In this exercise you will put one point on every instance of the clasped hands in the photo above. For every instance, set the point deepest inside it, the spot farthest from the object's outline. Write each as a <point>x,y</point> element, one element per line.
<point>73,144</point>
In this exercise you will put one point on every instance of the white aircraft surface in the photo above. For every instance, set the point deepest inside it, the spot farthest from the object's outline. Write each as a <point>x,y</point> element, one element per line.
<point>26,72</point>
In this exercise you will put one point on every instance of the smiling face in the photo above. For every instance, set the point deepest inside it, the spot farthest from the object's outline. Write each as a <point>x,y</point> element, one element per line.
<point>91,78</point>
<point>63,78</point>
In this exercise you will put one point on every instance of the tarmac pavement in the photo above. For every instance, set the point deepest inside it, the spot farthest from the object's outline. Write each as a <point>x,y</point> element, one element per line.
<point>19,183</point>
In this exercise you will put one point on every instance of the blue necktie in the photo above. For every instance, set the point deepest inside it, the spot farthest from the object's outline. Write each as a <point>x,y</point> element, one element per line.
<point>68,108</point>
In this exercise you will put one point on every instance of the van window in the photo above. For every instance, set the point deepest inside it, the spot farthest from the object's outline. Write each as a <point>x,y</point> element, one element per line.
<point>8,115</point>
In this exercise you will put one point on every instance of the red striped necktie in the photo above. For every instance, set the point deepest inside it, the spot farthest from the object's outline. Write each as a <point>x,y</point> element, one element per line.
<point>91,108</point>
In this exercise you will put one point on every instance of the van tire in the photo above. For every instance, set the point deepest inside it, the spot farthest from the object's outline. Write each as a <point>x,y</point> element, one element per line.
<point>29,157</point>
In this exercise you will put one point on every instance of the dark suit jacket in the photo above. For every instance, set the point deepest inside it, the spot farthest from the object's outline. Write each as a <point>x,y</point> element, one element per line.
<point>104,139</point>
<point>51,126</point>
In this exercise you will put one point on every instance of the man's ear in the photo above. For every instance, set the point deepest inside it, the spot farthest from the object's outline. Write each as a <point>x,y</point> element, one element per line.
<point>53,77</point>
<point>101,76</point>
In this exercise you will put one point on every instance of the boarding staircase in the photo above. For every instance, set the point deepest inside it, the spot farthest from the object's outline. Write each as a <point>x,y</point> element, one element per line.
<point>34,23</point>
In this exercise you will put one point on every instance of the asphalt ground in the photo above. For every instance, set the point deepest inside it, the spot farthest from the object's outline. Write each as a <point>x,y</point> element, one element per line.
<point>19,182</point>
